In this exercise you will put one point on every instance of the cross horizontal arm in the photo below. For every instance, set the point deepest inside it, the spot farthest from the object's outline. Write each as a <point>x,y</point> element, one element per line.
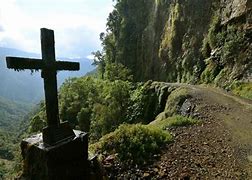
<point>28,63</point>
<point>24,63</point>
<point>65,65</point>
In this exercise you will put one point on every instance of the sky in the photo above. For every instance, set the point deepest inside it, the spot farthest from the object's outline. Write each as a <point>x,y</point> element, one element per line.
<point>76,24</point>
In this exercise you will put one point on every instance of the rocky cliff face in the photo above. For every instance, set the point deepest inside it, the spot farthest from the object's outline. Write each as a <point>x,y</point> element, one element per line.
<point>235,9</point>
<point>187,40</point>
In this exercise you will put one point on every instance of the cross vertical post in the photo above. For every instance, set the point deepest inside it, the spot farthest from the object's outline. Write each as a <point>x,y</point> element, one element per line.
<point>49,76</point>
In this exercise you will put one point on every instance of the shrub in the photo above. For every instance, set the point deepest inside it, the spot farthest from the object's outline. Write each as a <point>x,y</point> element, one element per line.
<point>135,144</point>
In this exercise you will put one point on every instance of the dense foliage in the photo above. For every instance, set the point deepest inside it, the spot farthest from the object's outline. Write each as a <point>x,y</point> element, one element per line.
<point>100,106</point>
<point>90,104</point>
<point>106,109</point>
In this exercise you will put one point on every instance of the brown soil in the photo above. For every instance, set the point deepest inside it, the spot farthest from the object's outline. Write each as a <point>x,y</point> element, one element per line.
<point>220,147</point>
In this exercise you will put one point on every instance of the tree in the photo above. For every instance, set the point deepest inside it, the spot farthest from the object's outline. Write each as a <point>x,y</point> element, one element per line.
<point>117,71</point>
<point>100,62</point>
<point>84,119</point>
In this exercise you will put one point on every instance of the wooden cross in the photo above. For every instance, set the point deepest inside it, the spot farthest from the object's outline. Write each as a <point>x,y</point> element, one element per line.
<point>54,132</point>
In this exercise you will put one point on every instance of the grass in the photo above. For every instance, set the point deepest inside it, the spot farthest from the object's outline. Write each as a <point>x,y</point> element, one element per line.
<point>242,89</point>
<point>174,121</point>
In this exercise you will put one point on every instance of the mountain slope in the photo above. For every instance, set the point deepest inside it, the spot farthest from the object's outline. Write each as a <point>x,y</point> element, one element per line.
<point>12,113</point>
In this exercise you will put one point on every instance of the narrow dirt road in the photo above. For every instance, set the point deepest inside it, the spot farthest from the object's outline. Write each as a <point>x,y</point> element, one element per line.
<point>219,147</point>
<point>235,116</point>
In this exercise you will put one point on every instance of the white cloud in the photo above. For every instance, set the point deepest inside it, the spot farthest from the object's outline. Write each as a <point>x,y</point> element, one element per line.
<point>90,57</point>
<point>76,28</point>
<point>11,20</point>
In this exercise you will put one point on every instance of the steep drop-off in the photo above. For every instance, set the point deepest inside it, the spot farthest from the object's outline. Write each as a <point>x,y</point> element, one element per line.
<point>193,41</point>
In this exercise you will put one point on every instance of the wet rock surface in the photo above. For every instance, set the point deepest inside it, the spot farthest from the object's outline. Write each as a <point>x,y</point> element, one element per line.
<point>187,108</point>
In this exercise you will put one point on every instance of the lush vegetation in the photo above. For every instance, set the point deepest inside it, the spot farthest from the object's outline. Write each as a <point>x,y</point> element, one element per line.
<point>99,106</point>
<point>112,110</point>
<point>12,116</point>
<point>90,104</point>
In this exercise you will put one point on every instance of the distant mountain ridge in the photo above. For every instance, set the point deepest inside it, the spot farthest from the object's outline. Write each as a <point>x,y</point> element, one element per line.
<point>15,52</point>
<point>24,87</point>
